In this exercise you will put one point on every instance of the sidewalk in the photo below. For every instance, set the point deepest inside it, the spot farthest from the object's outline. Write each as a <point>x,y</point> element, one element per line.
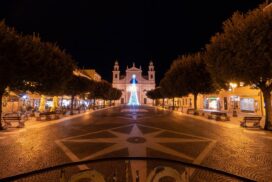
<point>32,123</point>
<point>234,122</point>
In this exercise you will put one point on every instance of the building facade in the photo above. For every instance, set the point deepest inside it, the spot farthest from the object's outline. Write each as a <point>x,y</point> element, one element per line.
<point>22,101</point>
<point>134,84</point>
<point>88,73</point>
<point>243,99</point>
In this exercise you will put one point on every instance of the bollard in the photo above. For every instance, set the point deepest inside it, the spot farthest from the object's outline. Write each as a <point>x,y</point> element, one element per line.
<point>127,174</point>
<point>62,176</point>
<point>114,178</point>
<point>137,176</point>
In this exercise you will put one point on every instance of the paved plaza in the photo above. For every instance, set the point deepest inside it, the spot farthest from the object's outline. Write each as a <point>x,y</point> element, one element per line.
<point>139,132</point>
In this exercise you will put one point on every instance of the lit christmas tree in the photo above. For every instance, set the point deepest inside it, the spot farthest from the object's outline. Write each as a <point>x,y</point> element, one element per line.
<point>133,100</point>
<point>55,104</point>
<point>42,104</point>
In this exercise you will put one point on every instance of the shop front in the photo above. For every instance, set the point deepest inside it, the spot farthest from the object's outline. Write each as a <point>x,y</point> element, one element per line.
<point>212,103</point>
<point>248,105</point>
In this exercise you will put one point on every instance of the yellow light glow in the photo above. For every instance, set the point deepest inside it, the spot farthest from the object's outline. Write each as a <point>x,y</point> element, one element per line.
<point>233,85</point>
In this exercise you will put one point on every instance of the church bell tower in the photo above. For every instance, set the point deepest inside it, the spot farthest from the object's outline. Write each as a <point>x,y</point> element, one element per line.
<point>151,71</point>
<point>116,72</point>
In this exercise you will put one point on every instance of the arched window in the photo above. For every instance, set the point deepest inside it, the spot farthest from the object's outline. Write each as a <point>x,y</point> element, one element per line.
<point>133,79</point>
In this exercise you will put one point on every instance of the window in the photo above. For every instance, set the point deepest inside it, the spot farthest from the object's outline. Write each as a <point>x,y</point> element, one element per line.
<point>115,75</point>
<point>151,76</point>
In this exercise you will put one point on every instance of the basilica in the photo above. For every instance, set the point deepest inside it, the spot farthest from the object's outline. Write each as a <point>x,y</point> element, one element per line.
<point>134,84</point>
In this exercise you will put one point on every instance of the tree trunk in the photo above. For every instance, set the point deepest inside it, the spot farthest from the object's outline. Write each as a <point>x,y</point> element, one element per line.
<point>163,102</point>
<point>72,105</point>
<point>94,104</point>
<point>1,99</point>
<point>195,101</point>
<point>104,103</point>
<point>61,102</point>
<point>173,105</point>
<point>267,102</point>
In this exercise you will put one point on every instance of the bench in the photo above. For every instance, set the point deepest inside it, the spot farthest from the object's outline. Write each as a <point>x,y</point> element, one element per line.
<point>47,116</point>
<point>255,120</point>
<point>190,111</point>
<point>218,116</point>
<point>11,117</point>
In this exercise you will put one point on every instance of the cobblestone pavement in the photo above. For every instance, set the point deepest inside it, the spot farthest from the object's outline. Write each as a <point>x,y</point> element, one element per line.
<point>144,132</point>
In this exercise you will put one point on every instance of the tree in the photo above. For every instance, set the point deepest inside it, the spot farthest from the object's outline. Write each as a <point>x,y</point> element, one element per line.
<point>48,68</point>
<point>192,76</point>
<point>151,94</point>
<point>26,63</point>
<point>169,85</point>
<point>105,88</point>
<point>154,94</point>
<point>99,90</point>
<point>113,94</point>
<point>76,86</point>
<point>243,52</point>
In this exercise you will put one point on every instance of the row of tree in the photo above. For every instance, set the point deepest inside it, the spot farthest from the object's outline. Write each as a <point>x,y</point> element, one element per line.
<point>242,52</point>
<point>29,64</point>
<point>90,89</point>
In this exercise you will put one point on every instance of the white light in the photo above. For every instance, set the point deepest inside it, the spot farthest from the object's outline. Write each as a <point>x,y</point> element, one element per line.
<point>233,85</point>
<point>133,100</point>
<point>66,102</point>
<point>24,97</point>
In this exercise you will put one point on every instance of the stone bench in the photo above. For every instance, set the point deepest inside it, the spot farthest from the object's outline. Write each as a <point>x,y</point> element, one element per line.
<point>218,116</point>
<point>8,118</point>
<point>254,120</point>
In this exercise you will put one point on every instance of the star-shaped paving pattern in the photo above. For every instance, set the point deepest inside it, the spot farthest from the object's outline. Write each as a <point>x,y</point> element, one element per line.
<point>137,139</point>
<point>136,114</point>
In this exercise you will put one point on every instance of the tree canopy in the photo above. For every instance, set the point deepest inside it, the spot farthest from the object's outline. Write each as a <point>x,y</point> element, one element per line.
<point>154,93</point>
<point>243,52</point>
<point>187,75</point>
<point>192,75</point>
<point>77,85</point>
<point>27,63</point>
<point>113,94</point>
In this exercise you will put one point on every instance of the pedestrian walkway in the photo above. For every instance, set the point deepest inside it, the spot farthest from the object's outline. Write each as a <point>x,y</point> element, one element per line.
<point>234,122</point>
<point>33,123</point>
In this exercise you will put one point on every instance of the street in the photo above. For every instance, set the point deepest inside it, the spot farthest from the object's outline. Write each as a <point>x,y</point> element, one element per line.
<point>139,132</point>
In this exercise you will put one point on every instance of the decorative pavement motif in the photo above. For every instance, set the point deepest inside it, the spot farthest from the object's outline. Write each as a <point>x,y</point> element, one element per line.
<point>138,139</point>
<point>136,114</point>
<point>131,110</point>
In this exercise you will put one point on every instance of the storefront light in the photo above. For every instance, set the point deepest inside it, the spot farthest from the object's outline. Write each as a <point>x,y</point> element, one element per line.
<point>66,102</point>
<point>233,85</point>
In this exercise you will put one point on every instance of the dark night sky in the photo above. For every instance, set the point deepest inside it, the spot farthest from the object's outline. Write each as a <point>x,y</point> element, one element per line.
<point>98,32</point>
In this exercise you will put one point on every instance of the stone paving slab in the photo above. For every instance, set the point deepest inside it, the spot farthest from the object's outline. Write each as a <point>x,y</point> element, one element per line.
<point>157,133</point>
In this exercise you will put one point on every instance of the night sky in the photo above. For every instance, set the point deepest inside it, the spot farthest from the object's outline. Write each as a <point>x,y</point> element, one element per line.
<point>96,33</point>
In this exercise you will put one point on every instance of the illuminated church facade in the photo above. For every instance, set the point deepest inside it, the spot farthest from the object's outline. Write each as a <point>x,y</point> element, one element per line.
<point>134,84</point>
